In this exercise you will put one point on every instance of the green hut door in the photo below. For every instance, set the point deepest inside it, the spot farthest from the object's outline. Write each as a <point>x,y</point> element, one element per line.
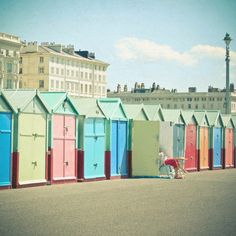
<point>32,147</point>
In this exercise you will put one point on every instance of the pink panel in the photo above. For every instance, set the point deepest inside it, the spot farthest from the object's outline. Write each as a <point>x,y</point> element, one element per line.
<point>58,127</point>
<point>191,145</point>
<point>70,126</point>
<point>58,159</point>
<point>58,146</point>
<point>229,142</point>
<point>70,158</point>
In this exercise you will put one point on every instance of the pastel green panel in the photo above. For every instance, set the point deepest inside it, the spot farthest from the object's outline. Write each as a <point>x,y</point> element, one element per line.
<point>32,148</point>
<point>130,124</point>
<point>35,106</point>
<point>166,138</point>
<point>81,132</point>
<point>3,106</point>
<point>108,135</point>
<point>141,116</point>
<point>65,108</point>
<point>145,148</point>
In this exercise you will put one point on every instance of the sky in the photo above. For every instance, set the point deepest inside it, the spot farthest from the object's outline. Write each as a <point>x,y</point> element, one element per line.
<point>175,43</point>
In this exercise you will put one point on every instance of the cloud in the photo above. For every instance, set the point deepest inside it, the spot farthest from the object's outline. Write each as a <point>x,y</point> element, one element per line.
<point>142,49</point>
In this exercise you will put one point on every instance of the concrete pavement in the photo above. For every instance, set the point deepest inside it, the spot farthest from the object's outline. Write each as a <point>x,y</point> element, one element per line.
<point>204,203</point>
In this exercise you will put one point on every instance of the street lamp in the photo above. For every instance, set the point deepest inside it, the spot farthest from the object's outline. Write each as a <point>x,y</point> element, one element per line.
<point>227,40</point>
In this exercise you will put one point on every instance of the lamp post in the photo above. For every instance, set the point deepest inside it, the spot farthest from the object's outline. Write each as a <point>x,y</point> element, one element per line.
<point>227,40</point>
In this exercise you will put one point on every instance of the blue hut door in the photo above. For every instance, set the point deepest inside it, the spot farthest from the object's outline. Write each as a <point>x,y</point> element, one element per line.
<point>178,142</point>
<point>5,149</point>
<point>217,147</point>
<point>119,148</point>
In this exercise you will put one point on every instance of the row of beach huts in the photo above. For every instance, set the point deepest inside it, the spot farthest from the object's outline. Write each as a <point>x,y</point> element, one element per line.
<point>50,137</point>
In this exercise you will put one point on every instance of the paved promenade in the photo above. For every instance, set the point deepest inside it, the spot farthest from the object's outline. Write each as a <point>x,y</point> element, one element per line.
<point>203,203</point>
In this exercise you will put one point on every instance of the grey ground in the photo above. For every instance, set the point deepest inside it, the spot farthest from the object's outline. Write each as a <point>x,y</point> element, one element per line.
<point>204,203</point>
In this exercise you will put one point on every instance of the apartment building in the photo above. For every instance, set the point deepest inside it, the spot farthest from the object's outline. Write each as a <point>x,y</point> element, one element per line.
<point>214,99</point>
<point>55,67</point>
<point>9,61</point>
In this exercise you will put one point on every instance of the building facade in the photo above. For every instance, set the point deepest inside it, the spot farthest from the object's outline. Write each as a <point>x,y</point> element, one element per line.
<point>171,99</point>
<point>54,67</point>
<point>9,61</point>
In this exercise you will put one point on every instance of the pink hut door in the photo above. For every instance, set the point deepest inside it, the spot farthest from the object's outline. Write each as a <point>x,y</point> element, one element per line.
<point>70,145</point>
<point>229,148</point>
<point>58,148</point>
<point>191,143</point>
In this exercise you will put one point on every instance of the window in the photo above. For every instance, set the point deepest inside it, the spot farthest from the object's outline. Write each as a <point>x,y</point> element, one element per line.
<point>52,70</point>
<point>62,72</point>
<point>62,85</point>
<point>81,88</point>
<point>9,67</point>
<point>67,72</point>
<point>52,59</point>
<point>99,77</point>
<point>72,86</point>
<point>57,84</point>
<point>196,106</point>
<point>57,60</point>
<point>189,106</point>
<point>57,71</point>
<point>41,83</point>
<point>41,70</point>
<point>20,61</point>
<point>72,73</point>
<point>76,87</point>
<point>52,83</point>
<point>9,84</point>
<point>90,76</point>
<point>20,71</point>
<point>77,73</point>
<point>67,85</point>
<point>81,75</point>
<point>86,75</point>
<point>86,88</point>
<point>41,59</point>
<point>90,88</point>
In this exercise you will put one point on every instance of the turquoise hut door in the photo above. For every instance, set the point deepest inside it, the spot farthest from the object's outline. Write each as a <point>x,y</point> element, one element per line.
<point>5,149</point>
<point>94,148</point>
<point>178,141</point>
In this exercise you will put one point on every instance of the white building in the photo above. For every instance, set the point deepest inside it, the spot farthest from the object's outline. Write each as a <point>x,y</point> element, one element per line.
<point>54,67</point>
<point>9,60</point>
<point>192,100</point>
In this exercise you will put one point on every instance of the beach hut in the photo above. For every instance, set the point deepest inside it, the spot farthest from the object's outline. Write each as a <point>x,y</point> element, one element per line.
<point>62,146</point>
<point>228,142</point>
<point>191,157</point>
<point>30,138</point>
<point>143,141</point>
<point>116,137</point>
<point>91,142</point>
<point>172,133</point>
<point>216,139</point>
<point>6,137</point>
<point>203,139</point>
